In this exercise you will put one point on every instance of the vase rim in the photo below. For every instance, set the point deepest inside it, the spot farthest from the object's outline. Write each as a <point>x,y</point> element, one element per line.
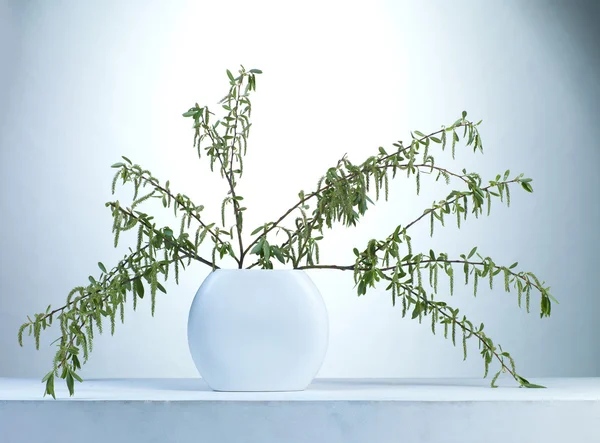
<point>257,270</point>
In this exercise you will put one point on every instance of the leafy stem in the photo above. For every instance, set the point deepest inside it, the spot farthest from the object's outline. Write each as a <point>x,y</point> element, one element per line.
<point>354,267</point>
<point>450,315</point>
<point>139,177</point>
<point>236,203</point>
<point>346,177</point>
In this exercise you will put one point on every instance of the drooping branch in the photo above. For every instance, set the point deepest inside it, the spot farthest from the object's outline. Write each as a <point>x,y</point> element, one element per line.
<point>167,234</point>
<point>105,296</point>
<point>487,266</point>
<point>140,177</point>
<point>450,316</point>
<point>114,273</point>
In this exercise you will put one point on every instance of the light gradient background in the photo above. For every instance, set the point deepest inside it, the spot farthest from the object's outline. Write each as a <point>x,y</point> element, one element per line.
<point>82,83</point>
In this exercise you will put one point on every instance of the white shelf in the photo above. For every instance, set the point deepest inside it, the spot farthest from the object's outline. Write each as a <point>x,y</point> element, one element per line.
<point>330,410</point>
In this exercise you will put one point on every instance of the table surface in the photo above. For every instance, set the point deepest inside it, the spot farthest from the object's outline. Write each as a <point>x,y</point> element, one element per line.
<point>409,390</point>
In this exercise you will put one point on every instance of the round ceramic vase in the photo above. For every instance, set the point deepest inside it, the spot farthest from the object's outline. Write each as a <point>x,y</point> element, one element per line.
<point>258,330</point>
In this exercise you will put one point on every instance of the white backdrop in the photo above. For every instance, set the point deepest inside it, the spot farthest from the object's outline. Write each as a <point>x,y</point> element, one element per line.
<point>86,82</point>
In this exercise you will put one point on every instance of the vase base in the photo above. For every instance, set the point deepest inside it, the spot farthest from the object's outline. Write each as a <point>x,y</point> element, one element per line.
<point>258,389</point>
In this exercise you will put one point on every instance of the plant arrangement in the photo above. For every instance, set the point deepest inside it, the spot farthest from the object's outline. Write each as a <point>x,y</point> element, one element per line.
<point>341,196</point>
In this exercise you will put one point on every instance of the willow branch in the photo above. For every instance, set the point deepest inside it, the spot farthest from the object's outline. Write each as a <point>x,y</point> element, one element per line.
<point>156,185</point>
<point>113,273</point>
<point>231,184</point>
<point>391,268</point>
<point>480,336</point>
<point>428,211</point>
<point>148,225</point>
<point>342,179</point>
<point>236,204</point>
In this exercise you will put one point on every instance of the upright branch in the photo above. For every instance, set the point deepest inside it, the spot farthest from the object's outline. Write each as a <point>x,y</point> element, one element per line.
<point>343,194</point>
<point>229,148</point>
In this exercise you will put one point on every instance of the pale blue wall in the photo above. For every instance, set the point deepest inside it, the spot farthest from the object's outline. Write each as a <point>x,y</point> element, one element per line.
<point>83,82</point>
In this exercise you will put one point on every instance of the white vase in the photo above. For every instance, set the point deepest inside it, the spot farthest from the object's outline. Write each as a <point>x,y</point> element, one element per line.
<point>258,330</point>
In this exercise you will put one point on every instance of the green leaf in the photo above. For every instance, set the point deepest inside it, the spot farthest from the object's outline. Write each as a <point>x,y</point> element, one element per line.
<point>47,376</point>
<point>257,230</point>
<point>126,159</point>
<point>464,114</point>
<point>532,385</point>
<point>552,298</point>
<point>255,71</point>
<point>102,268</point>
<point>230,75</point>
<point>418,309</point>
<point>527,384</point>
<point>526,186</point>
<point>362,288</point>
<point>138,286</point>
<point>419,133</point>
<point>70,384</point>
<point>277,253</point>
<point>514,265</point>
<point>50,386</point>
<point>257,247</point>
<point>472,252</point>
<point>266,250</point>
<point>117,165</point>
<point>76,377</point>
<point>190,113</point>
<point>77,364</point>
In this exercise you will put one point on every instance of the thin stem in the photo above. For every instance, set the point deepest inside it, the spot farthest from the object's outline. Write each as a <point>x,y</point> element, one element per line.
<point>231,190</point>
<point>437,168</point>
<point>236,205</point>
<point>390,268</point>
<point>180,204</point>
<point>428,211</point>
<point>335,267</point>
<point>193,255</point>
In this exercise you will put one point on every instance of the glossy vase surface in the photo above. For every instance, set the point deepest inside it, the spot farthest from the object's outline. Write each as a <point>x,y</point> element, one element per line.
<point>258,330</point>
